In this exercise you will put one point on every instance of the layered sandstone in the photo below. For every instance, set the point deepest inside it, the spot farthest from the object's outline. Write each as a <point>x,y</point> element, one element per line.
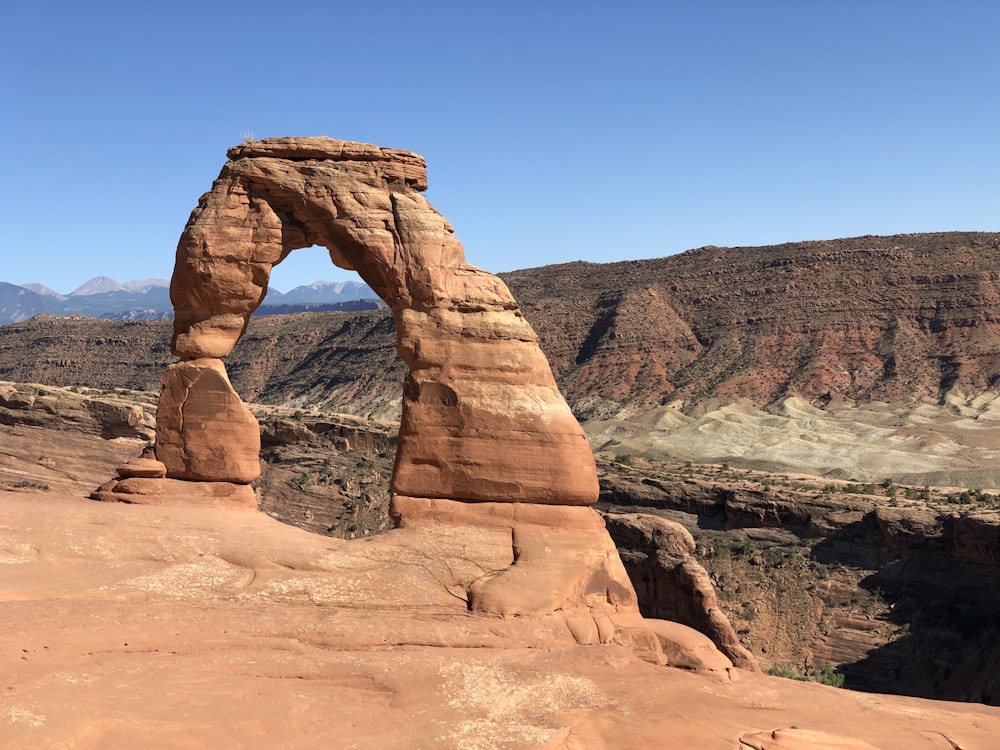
<point>482,416</point>
<point>899,318</point>
<point>659,557</point>
<point>103,413</point>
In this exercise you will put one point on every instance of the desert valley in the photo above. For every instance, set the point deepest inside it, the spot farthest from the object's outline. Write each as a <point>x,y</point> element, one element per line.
<point>796,466</point>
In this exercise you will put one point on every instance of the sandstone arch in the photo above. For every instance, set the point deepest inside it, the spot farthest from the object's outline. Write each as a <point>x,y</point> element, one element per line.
<point>483,419</point>
<point>488,449</point>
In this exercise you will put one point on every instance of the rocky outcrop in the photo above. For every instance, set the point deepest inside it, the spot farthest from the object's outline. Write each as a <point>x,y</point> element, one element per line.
<point>968,535</point>
<point>977,537</point>
<point>92,413</point>
<point>559,557</point>
<point>670,583</point>
<point>486,441</point>
<point>736,503</point>
<point>144,480</point>
<point>204,430</point>
<point>815,577</point>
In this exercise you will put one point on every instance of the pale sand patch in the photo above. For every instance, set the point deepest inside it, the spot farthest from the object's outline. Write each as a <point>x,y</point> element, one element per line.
<point>955,443</point>
<point>13,553</point>
<point>509,709</point>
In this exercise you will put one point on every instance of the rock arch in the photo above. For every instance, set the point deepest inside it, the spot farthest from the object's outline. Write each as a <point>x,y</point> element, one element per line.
<point>493,473</point>
<point>482,420</point>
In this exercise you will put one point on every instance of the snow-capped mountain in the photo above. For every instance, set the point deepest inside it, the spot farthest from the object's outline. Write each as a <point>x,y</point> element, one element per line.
<point>144,285</point>
<point>98,285</point>
<point>104,297</point>
<point>43,290</point>
<point>320,293</point>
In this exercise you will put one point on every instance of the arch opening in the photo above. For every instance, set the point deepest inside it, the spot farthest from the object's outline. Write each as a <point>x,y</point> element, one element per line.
<point>310,364</point>
<point>310,276</point>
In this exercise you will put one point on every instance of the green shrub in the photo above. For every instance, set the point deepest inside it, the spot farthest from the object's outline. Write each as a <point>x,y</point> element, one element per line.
<point>825,675</point>
<point>786,671</point>
<point>24,484</point>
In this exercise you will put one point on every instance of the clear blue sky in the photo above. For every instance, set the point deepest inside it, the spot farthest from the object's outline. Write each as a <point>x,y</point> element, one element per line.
<point>554,131</point>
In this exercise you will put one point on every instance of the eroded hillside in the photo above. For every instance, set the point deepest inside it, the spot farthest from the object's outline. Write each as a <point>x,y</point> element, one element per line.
<point>899,319</point>
<point>344,361</point>
<point>892,585</point>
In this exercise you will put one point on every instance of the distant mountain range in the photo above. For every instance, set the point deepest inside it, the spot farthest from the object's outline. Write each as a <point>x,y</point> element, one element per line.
<point>149,299</point>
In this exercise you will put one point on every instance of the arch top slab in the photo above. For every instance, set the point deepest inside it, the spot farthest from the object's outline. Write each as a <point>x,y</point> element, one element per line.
<point>393,163</point>
<point>483,419</point>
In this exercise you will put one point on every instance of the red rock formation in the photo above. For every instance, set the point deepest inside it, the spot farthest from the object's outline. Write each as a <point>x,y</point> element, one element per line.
<point>204,431</point>
<point>486,440</point>
<point>898,319</point>
<point>658,555</point>
<point>482,416</point>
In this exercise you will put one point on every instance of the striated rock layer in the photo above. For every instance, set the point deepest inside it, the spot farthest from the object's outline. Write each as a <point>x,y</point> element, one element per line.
<point>658,555</point>
<point>482,416</point>
<point>900,319</point>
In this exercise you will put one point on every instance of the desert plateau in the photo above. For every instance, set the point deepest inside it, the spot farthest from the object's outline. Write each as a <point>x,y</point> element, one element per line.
<point>737,498</point>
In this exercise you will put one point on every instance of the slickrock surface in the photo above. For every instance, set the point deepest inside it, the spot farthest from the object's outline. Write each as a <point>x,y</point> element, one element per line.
<point>32,458</point>
<point>170,627</point>
<point>482,417</point>
<point>559,558</point>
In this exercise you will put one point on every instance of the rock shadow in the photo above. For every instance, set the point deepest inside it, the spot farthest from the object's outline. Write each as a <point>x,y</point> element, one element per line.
<point>947,612</point>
